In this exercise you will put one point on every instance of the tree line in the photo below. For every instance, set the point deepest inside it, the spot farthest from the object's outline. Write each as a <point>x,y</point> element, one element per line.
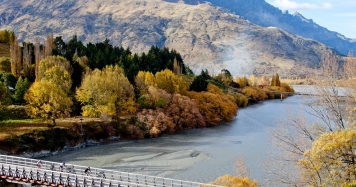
<point>58,79</point>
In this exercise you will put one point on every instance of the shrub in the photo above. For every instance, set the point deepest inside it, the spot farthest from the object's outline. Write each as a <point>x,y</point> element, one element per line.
<point>240,99</point>
<point>287,87</point>
<point>254,93</point>
<point>232,181</point>
<point>214,107</point>
<point>15,112</point>
<point>276,89</point>
<point>5,65</point>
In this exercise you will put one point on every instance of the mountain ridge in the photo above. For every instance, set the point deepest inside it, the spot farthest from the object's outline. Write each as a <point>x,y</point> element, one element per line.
<point>207,37</point>
<point>262,13</point>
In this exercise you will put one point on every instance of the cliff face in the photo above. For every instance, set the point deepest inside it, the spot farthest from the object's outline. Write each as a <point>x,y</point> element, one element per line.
<point>264,14</point>
<point>207,37</point>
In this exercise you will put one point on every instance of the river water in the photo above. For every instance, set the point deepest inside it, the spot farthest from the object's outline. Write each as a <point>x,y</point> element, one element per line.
<point>199,155</point>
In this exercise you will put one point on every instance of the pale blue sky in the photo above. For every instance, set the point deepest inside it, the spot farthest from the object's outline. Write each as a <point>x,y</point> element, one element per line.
<point>335,15</point>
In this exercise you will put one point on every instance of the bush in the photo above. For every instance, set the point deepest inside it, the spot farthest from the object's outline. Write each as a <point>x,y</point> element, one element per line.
<point>254,93</point>
<point>8,79</point>
<point>14,112</point>
<point>240,99</point>
<point>276,89</point>
<point>287,87</point>
<point>5,65</point>
<point>215,108</point>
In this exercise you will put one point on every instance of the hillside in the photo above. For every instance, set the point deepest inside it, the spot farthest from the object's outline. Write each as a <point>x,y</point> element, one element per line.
<point>264,14</point>
<point>206,36</point>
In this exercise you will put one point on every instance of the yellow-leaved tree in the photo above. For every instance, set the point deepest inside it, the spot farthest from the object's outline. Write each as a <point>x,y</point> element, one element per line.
<point>49,62</point>
<point>331,161</point>
<point>170,82</point>
<point>49,96</point>
<point>47,101</point>
<point>143,80</point>
<point>232,181</point>
<point>106,92</point>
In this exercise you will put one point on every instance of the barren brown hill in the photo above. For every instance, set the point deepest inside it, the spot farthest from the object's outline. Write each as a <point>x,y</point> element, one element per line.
<point>206,36</point>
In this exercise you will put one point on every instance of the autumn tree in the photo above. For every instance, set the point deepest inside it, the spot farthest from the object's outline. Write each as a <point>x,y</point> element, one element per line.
<point>107,91</point>
<point>253,80</point>
<point>49,97</point>
<point>350,65</point>
<point>232,181</point>
<point>275,80</point>
<point>15,53</point>
<point>184,113</point>
<point>177,69</point>
<point>39,55</point>
<point>143,80</point>
<point>224,77</point>
<point>154,98</point>
<point>256,94</point>
<point>47,101</point>
<point>48,51</point>
<point>263,80</point>
<point>331,161</point>
<point>242,81</point>
<point>240,99</point>
<point>51,61</point>
<point>170,82</point>
<point>156,122</point>
<point>296,135</point>
<point>27,60</point>
<point>214,107</point>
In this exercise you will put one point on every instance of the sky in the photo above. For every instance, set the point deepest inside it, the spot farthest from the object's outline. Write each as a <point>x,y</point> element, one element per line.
<point>335,15</point>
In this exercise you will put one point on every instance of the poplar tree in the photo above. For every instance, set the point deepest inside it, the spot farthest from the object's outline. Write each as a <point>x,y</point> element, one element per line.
<point>15,53</point>
<point>27,59</point>
<point>49,45</point>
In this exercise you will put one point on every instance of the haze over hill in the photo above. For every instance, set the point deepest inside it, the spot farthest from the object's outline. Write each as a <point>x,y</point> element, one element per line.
<point>207,37</point>
<point>264,14</point>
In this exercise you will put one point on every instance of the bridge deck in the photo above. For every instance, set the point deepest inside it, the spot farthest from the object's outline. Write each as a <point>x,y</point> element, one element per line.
<point>25,170</point>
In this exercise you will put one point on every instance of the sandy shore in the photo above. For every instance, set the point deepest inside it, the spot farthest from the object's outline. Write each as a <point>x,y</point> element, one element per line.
<point>128,157</point>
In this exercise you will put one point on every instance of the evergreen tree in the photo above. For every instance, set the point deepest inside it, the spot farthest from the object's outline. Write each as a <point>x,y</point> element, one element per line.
<point>205,74</point>
<point>199,84</point>
<point>21,87</point>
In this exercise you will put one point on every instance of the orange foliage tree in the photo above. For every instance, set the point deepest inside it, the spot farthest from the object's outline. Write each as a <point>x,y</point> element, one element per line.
<point>255,93</point>
<point>184,113</point>
<point>215,108</point>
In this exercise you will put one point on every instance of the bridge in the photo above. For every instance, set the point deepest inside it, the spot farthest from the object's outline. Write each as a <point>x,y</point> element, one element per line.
<point>19,170</point>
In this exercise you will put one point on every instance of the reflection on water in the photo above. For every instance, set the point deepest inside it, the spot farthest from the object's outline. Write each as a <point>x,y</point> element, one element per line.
<point>247,136</point>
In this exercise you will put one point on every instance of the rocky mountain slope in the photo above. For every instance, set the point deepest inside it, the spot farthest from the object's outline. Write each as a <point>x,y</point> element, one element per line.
<point>206,36</point>
<point>264,14</point>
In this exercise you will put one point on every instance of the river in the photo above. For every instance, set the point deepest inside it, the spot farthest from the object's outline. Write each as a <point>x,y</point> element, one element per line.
<point>199,155</point>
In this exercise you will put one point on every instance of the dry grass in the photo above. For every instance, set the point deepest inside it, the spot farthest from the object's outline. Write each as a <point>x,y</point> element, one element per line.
<point>306,81</point>
<point>19,127</point>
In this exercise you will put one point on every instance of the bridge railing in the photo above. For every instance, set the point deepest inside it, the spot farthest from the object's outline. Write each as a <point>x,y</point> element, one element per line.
<point>47,177</point>
<point>102,173</point>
